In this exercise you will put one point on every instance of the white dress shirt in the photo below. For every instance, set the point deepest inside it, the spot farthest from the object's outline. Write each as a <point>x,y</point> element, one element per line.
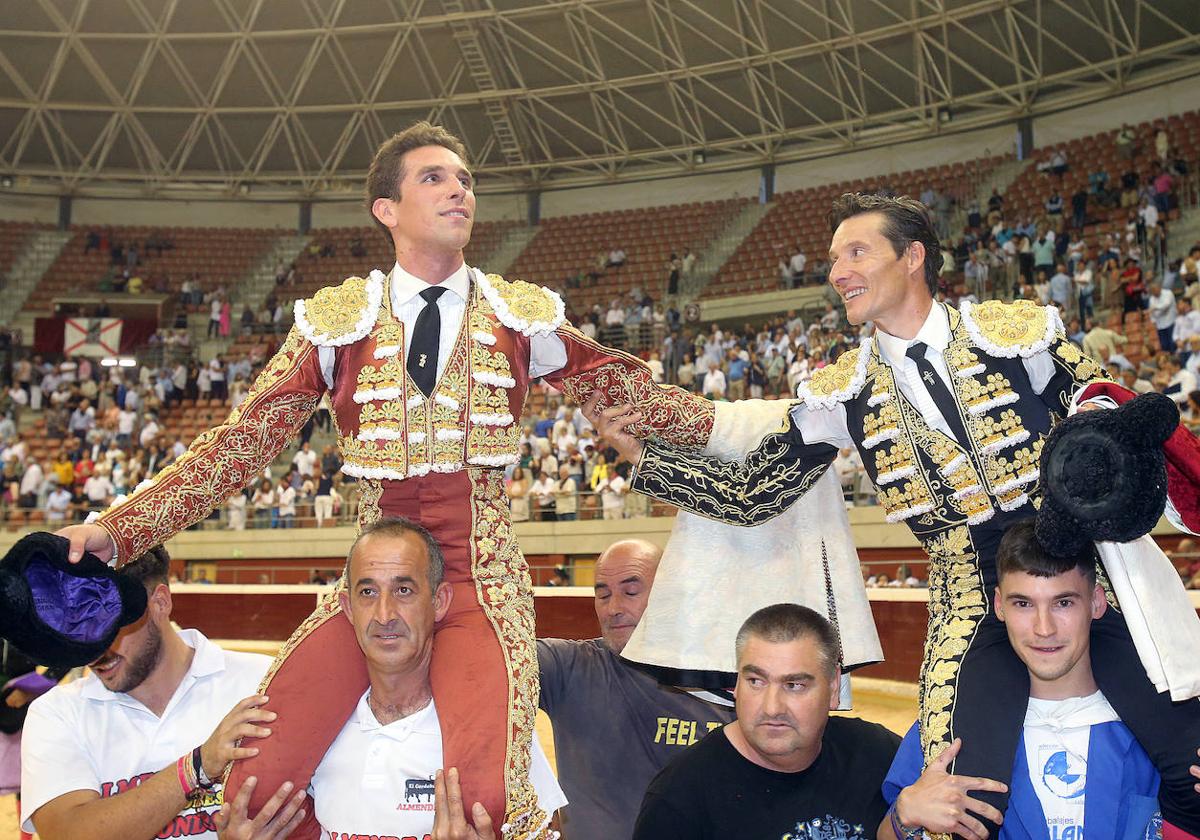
<point>830,425</point>
<point>547,353</point>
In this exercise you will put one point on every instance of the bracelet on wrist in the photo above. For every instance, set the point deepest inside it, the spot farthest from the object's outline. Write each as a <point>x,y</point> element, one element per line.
<point>902,831</point>
<point>187,779</point>
<point>202,779</point>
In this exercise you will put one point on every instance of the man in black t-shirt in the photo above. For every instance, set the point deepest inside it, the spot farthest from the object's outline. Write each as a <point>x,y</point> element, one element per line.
<point>783,768</point>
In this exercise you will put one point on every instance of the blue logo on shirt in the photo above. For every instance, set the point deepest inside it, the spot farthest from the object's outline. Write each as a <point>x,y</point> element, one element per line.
<point>1064,775</point>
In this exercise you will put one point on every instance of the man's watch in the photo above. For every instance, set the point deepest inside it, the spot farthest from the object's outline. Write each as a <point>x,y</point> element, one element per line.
<point>902,831</point>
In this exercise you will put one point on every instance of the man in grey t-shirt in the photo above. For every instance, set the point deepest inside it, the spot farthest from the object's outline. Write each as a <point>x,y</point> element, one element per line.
<point>615,726</point>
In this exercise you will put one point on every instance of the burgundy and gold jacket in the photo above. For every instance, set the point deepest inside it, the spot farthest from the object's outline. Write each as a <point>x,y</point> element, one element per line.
<point>387,429</point>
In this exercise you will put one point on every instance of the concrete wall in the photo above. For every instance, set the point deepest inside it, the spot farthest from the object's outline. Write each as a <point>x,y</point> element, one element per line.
<point>28,208</point>
<point>248,214</point>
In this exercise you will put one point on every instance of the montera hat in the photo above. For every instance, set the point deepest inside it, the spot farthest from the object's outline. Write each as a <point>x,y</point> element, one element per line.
<point>59,613</point>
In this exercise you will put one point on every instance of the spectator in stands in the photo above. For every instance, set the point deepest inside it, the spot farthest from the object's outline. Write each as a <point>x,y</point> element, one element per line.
<point>1101,342</point>
<point>542,494</point>
<point>216,376</point>
<point>714,382</point>
<point>1163,186</point>
<point>263,502</point>
<point>1125,142</point>
<point>674,269</point>
<point>685,375</point>
<point>305,460</point>
<point>736,368</point>
<point>1133,290</point>
<point>99,753</point>
<point>98,488</point>
<point>214,317</point>
<point>566,496</point>
<point>1054,210</point>
<point>235,507</point>
<point>1130,180</point>
<point>285,504</point>
<point>1163,312</point>
<point>1085,288</point>
<point>1174,380</point>
<point>1062,290</point>
<point>796,263</point>
<point>59,504</point>
<point>518,495</point>
<point>1043,252</point>
<point>688,263</point>
<point>1079,202</point>
<point>975,274</point>
<point>1188,322</point>
<point>616,258</point>
<point>1058,163</point>
<point>784,761</point>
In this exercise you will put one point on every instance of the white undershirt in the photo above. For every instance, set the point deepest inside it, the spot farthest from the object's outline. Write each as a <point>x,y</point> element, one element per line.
<point>547,353</point>
<point>376,780</point>
<point>1057,734</point>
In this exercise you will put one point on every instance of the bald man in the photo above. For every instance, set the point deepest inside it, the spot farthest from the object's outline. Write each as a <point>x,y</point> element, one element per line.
<point>615,726</point>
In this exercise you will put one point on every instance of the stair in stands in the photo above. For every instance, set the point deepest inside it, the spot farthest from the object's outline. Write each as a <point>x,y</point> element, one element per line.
<point>501,260</point>
<point>709,262</point>
<point>39,253</point>
<point>253,288</point>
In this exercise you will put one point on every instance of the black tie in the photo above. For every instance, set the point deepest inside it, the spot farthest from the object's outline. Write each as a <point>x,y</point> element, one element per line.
<point>426,336</point>
<point>940,393</point>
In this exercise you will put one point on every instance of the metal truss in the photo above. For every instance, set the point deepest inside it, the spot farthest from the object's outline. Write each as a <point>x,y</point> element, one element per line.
<point>288,98</point>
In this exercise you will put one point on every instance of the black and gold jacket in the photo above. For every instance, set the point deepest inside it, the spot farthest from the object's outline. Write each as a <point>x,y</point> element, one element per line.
<point>924,478</point>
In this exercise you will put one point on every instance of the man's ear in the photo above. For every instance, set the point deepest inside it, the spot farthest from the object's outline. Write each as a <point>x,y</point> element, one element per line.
<point>835,692</point>
<point>1099,601</point>
<point>344,601</point>
<point>916,256</point>
<point>383,210</point>
<point>160,601</point>
<point>998,604</point>
<point>441,600</point>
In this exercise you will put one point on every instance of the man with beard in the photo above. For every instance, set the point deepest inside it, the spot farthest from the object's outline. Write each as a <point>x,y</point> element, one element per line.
<point>114,756</point>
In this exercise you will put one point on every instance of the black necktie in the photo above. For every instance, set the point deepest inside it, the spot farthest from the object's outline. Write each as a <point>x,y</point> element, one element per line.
<point>940,393</point>
<point>426,336</point>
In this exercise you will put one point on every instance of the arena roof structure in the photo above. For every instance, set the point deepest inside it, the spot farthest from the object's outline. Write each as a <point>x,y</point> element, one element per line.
<point>288,98</point>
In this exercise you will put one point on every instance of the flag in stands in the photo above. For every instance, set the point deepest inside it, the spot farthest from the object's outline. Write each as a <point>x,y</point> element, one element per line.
<point>92,336</point>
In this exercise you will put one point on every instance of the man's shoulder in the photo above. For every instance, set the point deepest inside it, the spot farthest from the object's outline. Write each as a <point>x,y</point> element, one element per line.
<point>525,307</point>
<point>1008,330</point>
<point>341,314</point>
<point>61,704</point>
<point>838,382</point>
<point>864,731</point>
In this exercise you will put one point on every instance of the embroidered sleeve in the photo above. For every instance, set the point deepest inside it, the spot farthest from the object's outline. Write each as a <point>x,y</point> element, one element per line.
<point>224,459</point>
<point>781,470</point>
<point>672,415</point>
<point>1073,370</point>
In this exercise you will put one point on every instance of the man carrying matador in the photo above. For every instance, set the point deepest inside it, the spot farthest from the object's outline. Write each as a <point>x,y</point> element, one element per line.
<point>949,409</point>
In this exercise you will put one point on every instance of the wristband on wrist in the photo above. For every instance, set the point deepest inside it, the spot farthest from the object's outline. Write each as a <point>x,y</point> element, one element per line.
<point>901,831</point>
<point>183,769</point>
<point>202,779</point>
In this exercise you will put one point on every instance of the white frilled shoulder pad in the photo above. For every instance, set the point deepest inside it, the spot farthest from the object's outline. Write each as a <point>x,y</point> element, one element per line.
<point>838,382</point>
<point>525,307</point>
<point>343,314</point>
<point>1007,330</point>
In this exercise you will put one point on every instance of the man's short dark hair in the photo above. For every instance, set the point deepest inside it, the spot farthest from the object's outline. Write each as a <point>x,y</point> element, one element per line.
<point>1020,551</point>
<point>152,568</point>
<point>398,526</point>
<point>780,623</point>
<point>906,221</point>
<point>387,168</point>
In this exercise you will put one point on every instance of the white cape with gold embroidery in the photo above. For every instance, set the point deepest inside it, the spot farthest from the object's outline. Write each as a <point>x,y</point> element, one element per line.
<point>713,576</point>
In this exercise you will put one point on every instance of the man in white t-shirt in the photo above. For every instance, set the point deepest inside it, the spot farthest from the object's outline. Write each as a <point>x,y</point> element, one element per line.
<point>305,459</point>
<point>102,758</point>
<point>1077,762</point>
<point>377,778</point>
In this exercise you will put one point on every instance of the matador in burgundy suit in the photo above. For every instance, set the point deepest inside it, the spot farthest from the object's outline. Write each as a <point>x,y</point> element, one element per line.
<point>436,458</point>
